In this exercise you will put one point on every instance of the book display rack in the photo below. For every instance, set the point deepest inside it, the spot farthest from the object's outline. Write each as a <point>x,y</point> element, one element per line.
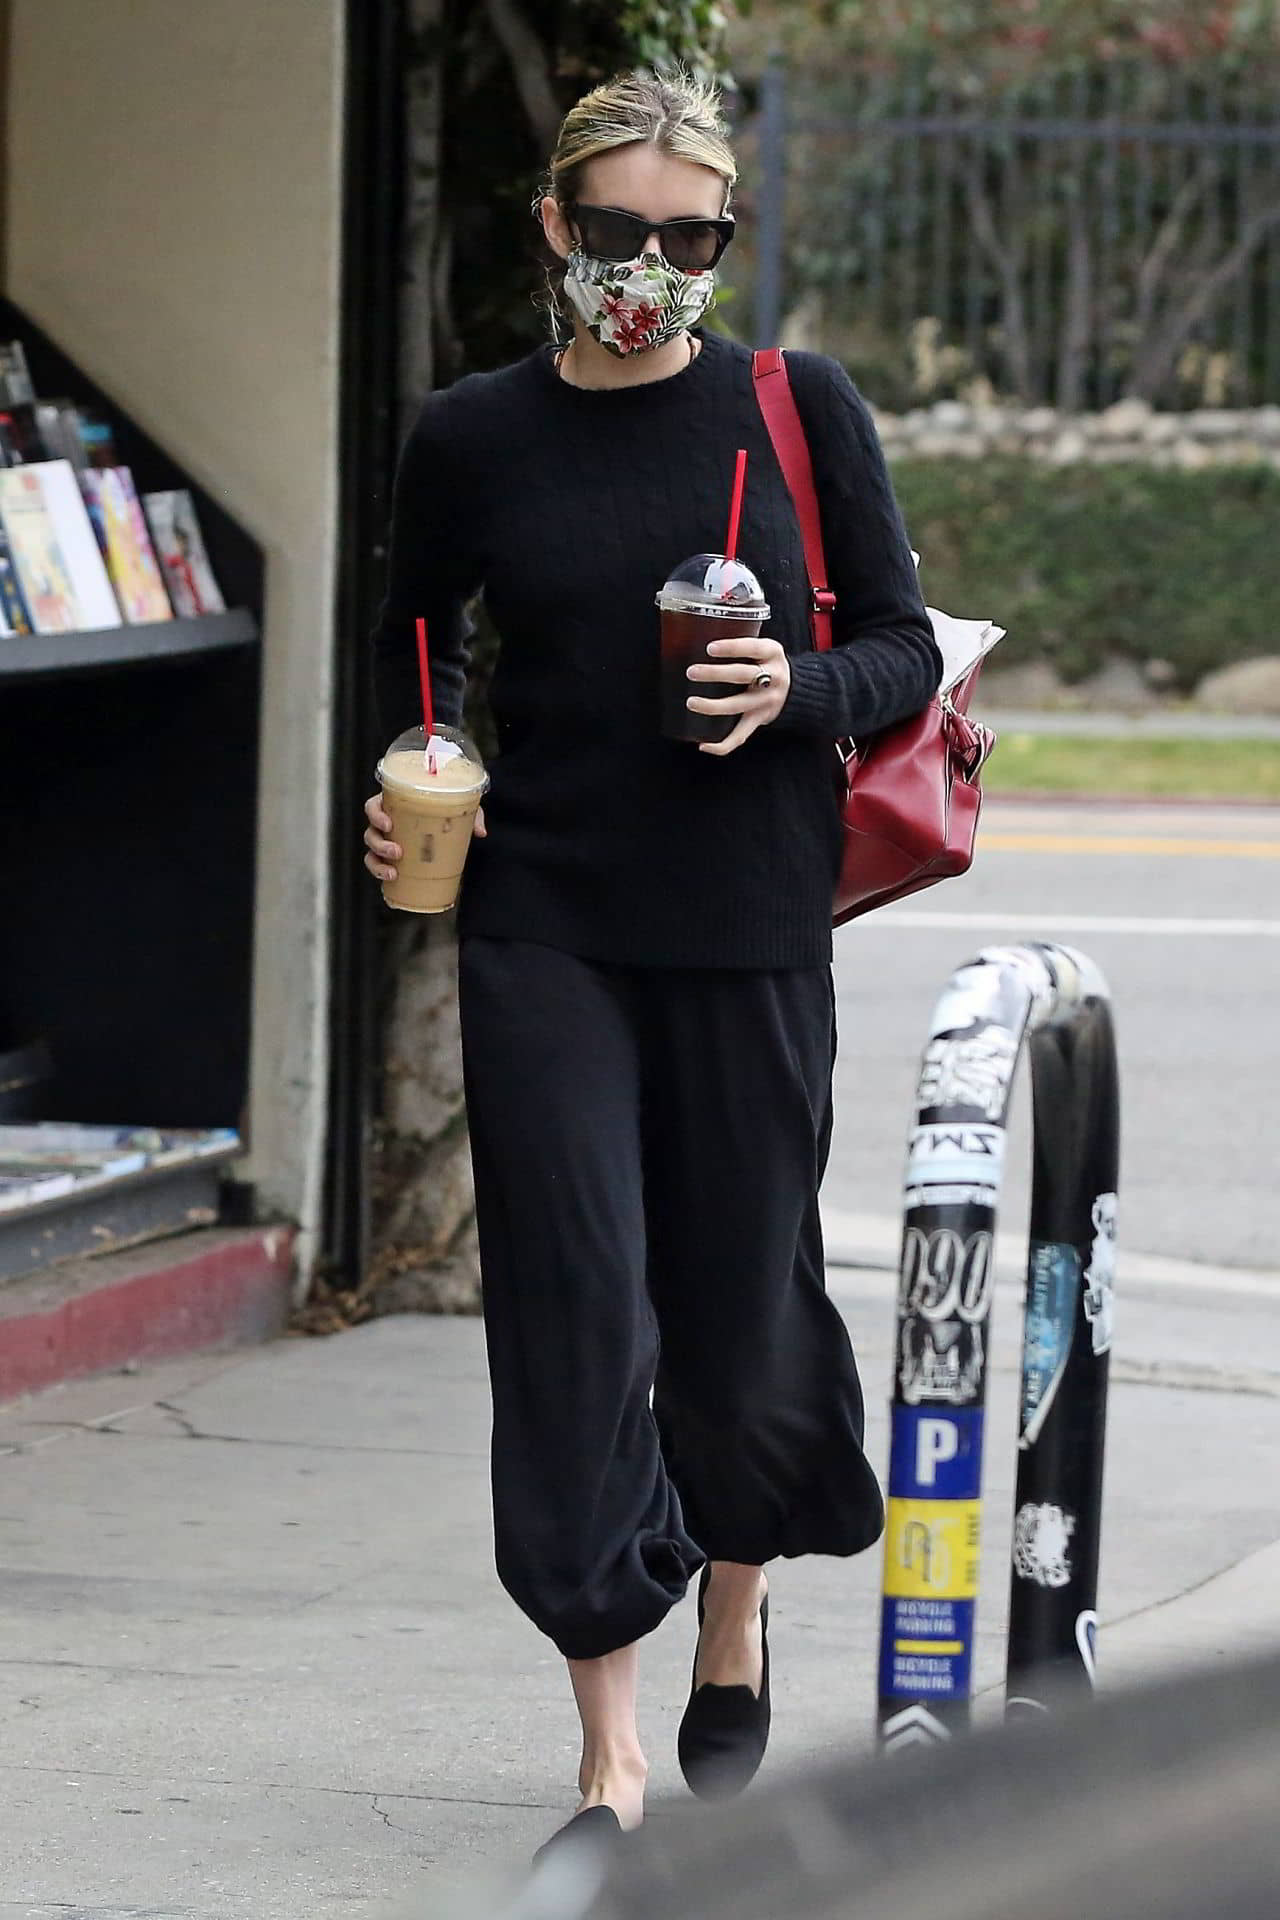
<point>130,669</point>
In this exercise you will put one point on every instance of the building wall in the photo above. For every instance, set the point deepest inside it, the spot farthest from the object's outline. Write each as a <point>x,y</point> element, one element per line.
<point>172,217</point>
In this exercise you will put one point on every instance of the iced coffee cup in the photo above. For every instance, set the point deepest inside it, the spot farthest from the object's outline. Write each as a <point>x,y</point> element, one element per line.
<point>432,799</point>
<point>706,598</point>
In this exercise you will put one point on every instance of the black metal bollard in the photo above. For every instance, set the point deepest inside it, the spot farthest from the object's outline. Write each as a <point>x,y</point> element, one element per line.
<point>1066,1351</point>
<point>955,1162</point>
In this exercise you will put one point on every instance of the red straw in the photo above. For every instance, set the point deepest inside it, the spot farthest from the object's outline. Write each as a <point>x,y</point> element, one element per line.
<point>735,508</point>
<point>424,674</point>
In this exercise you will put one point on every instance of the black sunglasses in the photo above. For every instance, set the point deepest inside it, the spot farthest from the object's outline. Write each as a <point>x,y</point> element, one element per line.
<point>691,244</point>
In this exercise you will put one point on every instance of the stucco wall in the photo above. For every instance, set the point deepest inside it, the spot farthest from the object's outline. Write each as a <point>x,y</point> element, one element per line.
<point>173,219</point>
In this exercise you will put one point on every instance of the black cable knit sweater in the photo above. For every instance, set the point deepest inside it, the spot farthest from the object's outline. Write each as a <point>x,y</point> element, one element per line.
<point>569,506</point>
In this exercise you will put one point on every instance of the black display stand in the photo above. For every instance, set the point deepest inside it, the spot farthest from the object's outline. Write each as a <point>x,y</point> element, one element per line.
<point>128,796</point>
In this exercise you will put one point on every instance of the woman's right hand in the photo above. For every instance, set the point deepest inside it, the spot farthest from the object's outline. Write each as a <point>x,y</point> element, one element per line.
<point>383,852</point>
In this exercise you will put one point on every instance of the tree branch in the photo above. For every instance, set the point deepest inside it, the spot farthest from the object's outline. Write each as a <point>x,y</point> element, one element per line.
<point>529,69</point>
<point>1152,367</point>
<point>1009,267</point>
<point>1077,325</point>
<point>1151,272</point>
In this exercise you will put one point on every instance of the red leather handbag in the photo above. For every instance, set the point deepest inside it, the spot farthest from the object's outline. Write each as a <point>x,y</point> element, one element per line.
<point>914,790</point>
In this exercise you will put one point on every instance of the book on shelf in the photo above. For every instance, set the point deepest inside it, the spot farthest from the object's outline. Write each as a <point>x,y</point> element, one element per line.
<point>96,556</point>
<point>50,1159</point>
<point>97,438</point>
<point>25,1189</point>
<point>55,553</point>
<point>21,440</point>
<point>37,558</point>
<point>58,424</point>
<point>180,545</point>
<point>116,515</point>
<point>16,388</point>
<point>41,1138</point>
<point>14,617</point>
<point>82,1166</point>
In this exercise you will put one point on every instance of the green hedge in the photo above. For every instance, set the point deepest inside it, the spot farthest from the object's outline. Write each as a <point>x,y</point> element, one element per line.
<point>1083,562</point>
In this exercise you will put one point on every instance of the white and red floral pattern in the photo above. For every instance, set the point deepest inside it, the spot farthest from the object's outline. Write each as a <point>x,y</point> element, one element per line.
<point>630,306</point>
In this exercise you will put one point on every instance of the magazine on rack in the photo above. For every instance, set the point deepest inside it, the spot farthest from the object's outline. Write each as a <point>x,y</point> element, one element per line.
<point>179,542</point>
<point>116,513</point>
<point>38,562</point>
<point>49,1159</point>
<point>16,389</point>
<point>26,1188</point>
<point>14,617</point>
<point>95,603</point>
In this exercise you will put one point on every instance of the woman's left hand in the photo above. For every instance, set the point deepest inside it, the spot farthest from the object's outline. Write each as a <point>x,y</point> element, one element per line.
<point>757,705</point>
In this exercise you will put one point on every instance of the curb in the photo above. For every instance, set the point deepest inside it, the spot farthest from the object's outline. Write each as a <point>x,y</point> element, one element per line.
<point>217,1287</point>
<point>1211,1624</point>
<point>1066,797</point>
<point>870,1242</point>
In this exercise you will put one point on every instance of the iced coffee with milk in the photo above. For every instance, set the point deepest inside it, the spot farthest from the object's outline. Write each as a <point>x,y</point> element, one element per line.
<point>431,789</point>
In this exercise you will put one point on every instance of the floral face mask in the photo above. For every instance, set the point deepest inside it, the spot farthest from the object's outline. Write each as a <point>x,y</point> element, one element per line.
<point>630,306</point>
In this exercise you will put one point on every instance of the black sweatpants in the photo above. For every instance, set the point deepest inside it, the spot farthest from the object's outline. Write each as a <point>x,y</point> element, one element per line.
<point>648,1145</point>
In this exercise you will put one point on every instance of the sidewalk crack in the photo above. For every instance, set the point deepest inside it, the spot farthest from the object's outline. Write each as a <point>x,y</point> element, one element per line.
<point>192,1432</point>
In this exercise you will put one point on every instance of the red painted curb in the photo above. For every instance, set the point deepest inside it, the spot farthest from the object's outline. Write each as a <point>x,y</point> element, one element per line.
<point>216,1287</point>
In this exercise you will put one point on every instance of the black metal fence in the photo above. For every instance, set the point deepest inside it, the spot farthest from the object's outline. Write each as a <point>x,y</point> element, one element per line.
<point>1103,232</point>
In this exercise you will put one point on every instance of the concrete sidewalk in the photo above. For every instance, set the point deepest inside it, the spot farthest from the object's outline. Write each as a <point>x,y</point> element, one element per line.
<point>256,1666</point>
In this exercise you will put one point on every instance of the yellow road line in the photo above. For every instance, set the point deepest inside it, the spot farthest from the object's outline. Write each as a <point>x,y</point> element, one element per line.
<point>1130,843</point>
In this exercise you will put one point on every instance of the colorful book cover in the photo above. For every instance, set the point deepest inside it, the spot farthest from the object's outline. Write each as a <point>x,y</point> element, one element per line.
<point>13,608</point>
<point>38,561</point>
<point>116,515</point>
<point>95,601</point>
<point>181,548</point>
<point>97,439</point>
<point>91,494</point>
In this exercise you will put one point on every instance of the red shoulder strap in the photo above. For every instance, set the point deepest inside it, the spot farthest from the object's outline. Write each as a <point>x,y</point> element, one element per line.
<point>786,430</point>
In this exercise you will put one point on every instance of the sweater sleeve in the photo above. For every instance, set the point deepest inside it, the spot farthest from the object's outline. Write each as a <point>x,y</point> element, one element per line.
<point>884,663</point>
<point>431,572</point>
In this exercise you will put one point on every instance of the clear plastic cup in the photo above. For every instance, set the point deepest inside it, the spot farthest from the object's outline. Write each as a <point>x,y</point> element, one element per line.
<point>432,815</point>
<point>705,598</point>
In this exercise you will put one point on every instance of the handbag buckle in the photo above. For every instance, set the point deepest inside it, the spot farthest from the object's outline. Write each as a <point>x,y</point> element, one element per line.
<point>824,601</point>
<point>972,742</point>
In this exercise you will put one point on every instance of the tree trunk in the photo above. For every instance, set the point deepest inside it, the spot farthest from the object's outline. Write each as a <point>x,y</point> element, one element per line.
<point>484,87</point>
<point>424,1245</point>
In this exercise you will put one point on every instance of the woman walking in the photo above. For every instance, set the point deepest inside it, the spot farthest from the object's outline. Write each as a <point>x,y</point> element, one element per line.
<point>645,937</point>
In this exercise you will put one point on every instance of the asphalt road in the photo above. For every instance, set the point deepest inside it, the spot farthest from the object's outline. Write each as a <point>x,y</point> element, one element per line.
<point>1180,906</point>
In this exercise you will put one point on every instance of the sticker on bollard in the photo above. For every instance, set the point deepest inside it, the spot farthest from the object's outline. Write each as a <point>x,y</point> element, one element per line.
<point>1053,1287</point>
<point>931,1549</point>
<point>926,1649</point>
<point>936,1455</point>
<point>955,1161</point>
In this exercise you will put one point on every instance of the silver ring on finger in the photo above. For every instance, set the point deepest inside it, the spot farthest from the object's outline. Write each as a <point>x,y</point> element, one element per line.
<point>763,679</point>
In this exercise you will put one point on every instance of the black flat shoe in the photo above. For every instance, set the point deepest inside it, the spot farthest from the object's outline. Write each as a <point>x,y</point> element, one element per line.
<point>725,1730</point>
<point>592,1834</point>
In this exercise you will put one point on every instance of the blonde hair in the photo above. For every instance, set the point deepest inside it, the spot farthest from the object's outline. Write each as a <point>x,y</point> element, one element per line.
<point>674,110</point>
